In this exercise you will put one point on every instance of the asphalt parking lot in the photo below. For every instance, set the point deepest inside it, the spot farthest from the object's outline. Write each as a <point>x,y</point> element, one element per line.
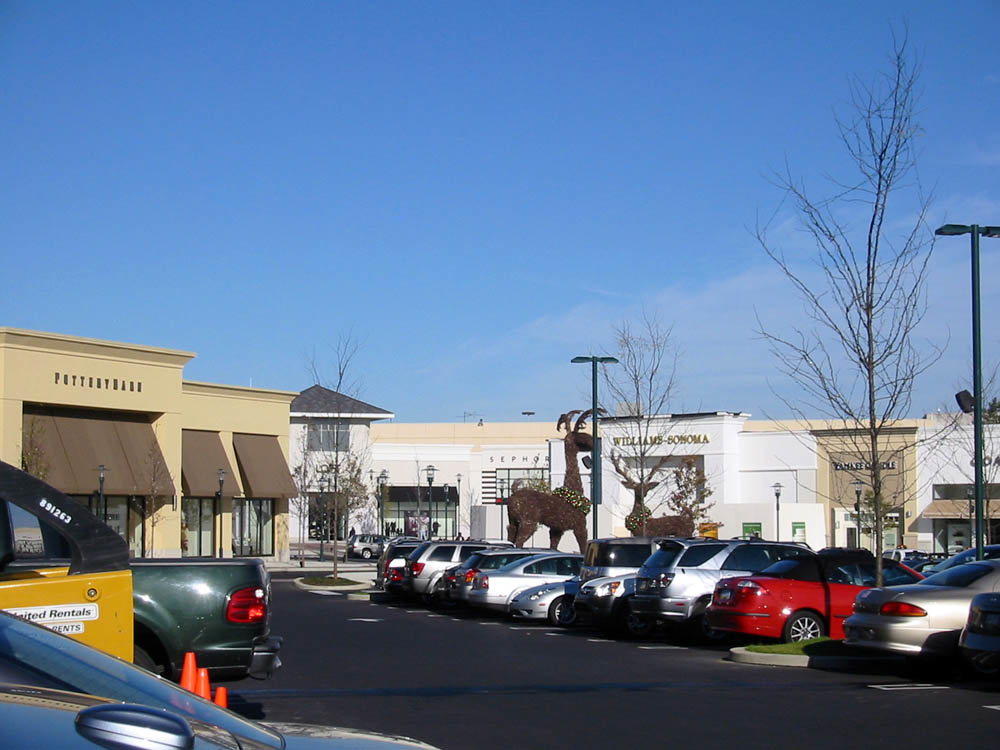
<point>458,679</point>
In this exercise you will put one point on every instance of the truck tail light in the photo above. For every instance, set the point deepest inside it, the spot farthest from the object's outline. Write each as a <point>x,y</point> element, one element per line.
<point>395,575</point>
<point>902,609</point>
<point>247,605</point>
<point>417,569</point>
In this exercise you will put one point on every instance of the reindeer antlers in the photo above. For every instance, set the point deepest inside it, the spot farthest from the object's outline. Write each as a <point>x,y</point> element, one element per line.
<point>566,419</point>
<point>584,416</point>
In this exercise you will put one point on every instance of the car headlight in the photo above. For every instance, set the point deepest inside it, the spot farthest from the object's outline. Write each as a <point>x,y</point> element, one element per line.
<point>608,589</point>
<point>539,594</point>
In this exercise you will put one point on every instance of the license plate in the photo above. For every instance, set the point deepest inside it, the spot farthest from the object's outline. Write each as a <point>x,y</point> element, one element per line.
<point>725,596</point>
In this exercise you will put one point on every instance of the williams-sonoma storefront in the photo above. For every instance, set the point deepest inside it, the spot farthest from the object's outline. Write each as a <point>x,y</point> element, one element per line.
<point>177,468</point>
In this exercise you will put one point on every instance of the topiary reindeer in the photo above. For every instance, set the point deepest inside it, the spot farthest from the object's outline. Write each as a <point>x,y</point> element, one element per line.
<point>639,521</point>
<point>564,509</point>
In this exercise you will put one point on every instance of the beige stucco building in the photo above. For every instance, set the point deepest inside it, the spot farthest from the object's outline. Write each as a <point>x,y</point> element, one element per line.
<point>178,468</point>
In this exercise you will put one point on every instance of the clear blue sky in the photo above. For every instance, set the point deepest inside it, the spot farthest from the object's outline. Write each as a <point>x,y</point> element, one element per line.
<point>477,191</point>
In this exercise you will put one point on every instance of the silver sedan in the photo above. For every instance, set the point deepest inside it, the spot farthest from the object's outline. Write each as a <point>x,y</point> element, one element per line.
<point>546,601</point>
<point>494,589</point>
<point>922,618</point>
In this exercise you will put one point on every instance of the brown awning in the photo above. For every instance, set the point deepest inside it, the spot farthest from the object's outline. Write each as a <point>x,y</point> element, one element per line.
<point>202,455</point>
<point>946,509</point>
<point>72,448</point>
<point>263,466</point>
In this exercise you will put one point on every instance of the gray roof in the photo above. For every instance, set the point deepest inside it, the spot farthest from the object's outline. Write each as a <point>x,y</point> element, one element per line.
<point>319,400</point>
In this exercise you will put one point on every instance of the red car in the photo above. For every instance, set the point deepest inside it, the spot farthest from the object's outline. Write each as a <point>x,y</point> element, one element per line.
<point>803,597</point>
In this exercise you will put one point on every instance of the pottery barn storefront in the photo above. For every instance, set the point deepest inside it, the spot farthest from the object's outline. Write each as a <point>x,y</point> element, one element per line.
<point>177,468</point>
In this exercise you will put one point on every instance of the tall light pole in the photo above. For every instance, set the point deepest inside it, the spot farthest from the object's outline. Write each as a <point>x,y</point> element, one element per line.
<point>951,230</point>
<point>595,448</point>
<point>424,534</point>
<point>777,510</point>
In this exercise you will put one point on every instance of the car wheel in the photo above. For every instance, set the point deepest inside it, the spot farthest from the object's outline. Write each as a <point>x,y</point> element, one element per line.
<point>561,612</point>
<point>637,626</point>
<point>366,554</point>
<point>803,626</point>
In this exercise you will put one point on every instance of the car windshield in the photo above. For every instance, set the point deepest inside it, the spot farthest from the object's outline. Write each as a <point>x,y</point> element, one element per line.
<point>75,666</point>
<point>959,576</point>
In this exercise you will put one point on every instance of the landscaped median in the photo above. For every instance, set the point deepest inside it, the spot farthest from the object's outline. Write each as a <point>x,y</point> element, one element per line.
<point>329,583</point>
<point>819,653</point>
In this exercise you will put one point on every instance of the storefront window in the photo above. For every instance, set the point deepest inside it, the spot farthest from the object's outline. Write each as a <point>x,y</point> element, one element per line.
<point>253,527</point>
<point>125,515</point>
<point>197,526</point>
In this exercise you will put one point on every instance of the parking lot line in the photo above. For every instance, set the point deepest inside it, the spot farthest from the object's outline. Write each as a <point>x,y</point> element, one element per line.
<point>663,648</point>
<point>599,640</point>
<point>910,686</point>
<point>490,623</point>
<point>556,635</point>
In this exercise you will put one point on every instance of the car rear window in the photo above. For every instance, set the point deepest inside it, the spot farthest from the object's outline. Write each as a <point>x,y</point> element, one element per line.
<point>698,554</point>
<point>959,576</point>
<point>622,555</point>
<point>443,552</point>
<point>664,556</point>
<point>802,569</point>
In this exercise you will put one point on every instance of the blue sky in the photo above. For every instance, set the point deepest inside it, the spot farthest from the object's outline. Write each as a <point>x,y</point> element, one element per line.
<point>477,192</point>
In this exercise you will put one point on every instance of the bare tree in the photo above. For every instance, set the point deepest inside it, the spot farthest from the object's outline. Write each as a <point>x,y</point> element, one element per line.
<point>159,487</point>
<point>33,458</point>
<point>642,385</point>
<point>856,362</point>
<point>343,468</point>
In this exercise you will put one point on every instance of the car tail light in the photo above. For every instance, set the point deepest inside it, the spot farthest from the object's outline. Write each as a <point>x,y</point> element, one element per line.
<point>750,587</point>
<point>470,575</point>
<point>247,605</point>
<point>484,582</point>
<point>902,609</point>
<point>395,575</point>
<point>417,569</point>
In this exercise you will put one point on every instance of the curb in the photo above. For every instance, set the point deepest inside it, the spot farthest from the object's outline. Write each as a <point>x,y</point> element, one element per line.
<point>299,583</point>
<point>741,655</point>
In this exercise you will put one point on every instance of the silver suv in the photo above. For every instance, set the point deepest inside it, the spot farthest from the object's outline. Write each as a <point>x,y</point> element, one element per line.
<point>676,583</point>
<point>365,546</point>
<point>425,567</point>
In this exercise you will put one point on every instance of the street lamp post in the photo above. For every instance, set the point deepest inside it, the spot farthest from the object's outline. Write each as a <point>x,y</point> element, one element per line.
<point>222,481</point>
<point>595,448</point>
<point>777,510</point>
<point>501,493</point>
<point>324,489</point>
<point>458,505</point>
<point>101,507</point>
<point>383,480</point>
<point>444,491</point>
<point>950,230</point>
<point>857,508</point>
<point>425,532</point>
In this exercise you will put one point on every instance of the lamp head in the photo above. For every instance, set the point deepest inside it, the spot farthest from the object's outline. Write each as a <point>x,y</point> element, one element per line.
<point>951,230</point>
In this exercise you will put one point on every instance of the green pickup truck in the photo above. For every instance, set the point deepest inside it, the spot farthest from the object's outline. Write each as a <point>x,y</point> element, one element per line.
<point>219,609</point>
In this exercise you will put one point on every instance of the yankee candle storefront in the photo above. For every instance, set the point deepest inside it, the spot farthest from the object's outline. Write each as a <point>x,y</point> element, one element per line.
<point>178,468</point>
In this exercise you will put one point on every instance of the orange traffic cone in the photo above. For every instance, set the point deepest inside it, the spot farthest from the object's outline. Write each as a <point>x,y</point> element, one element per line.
<point>189,675</point>
<point>222,697</point>
<point>204,689</point>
